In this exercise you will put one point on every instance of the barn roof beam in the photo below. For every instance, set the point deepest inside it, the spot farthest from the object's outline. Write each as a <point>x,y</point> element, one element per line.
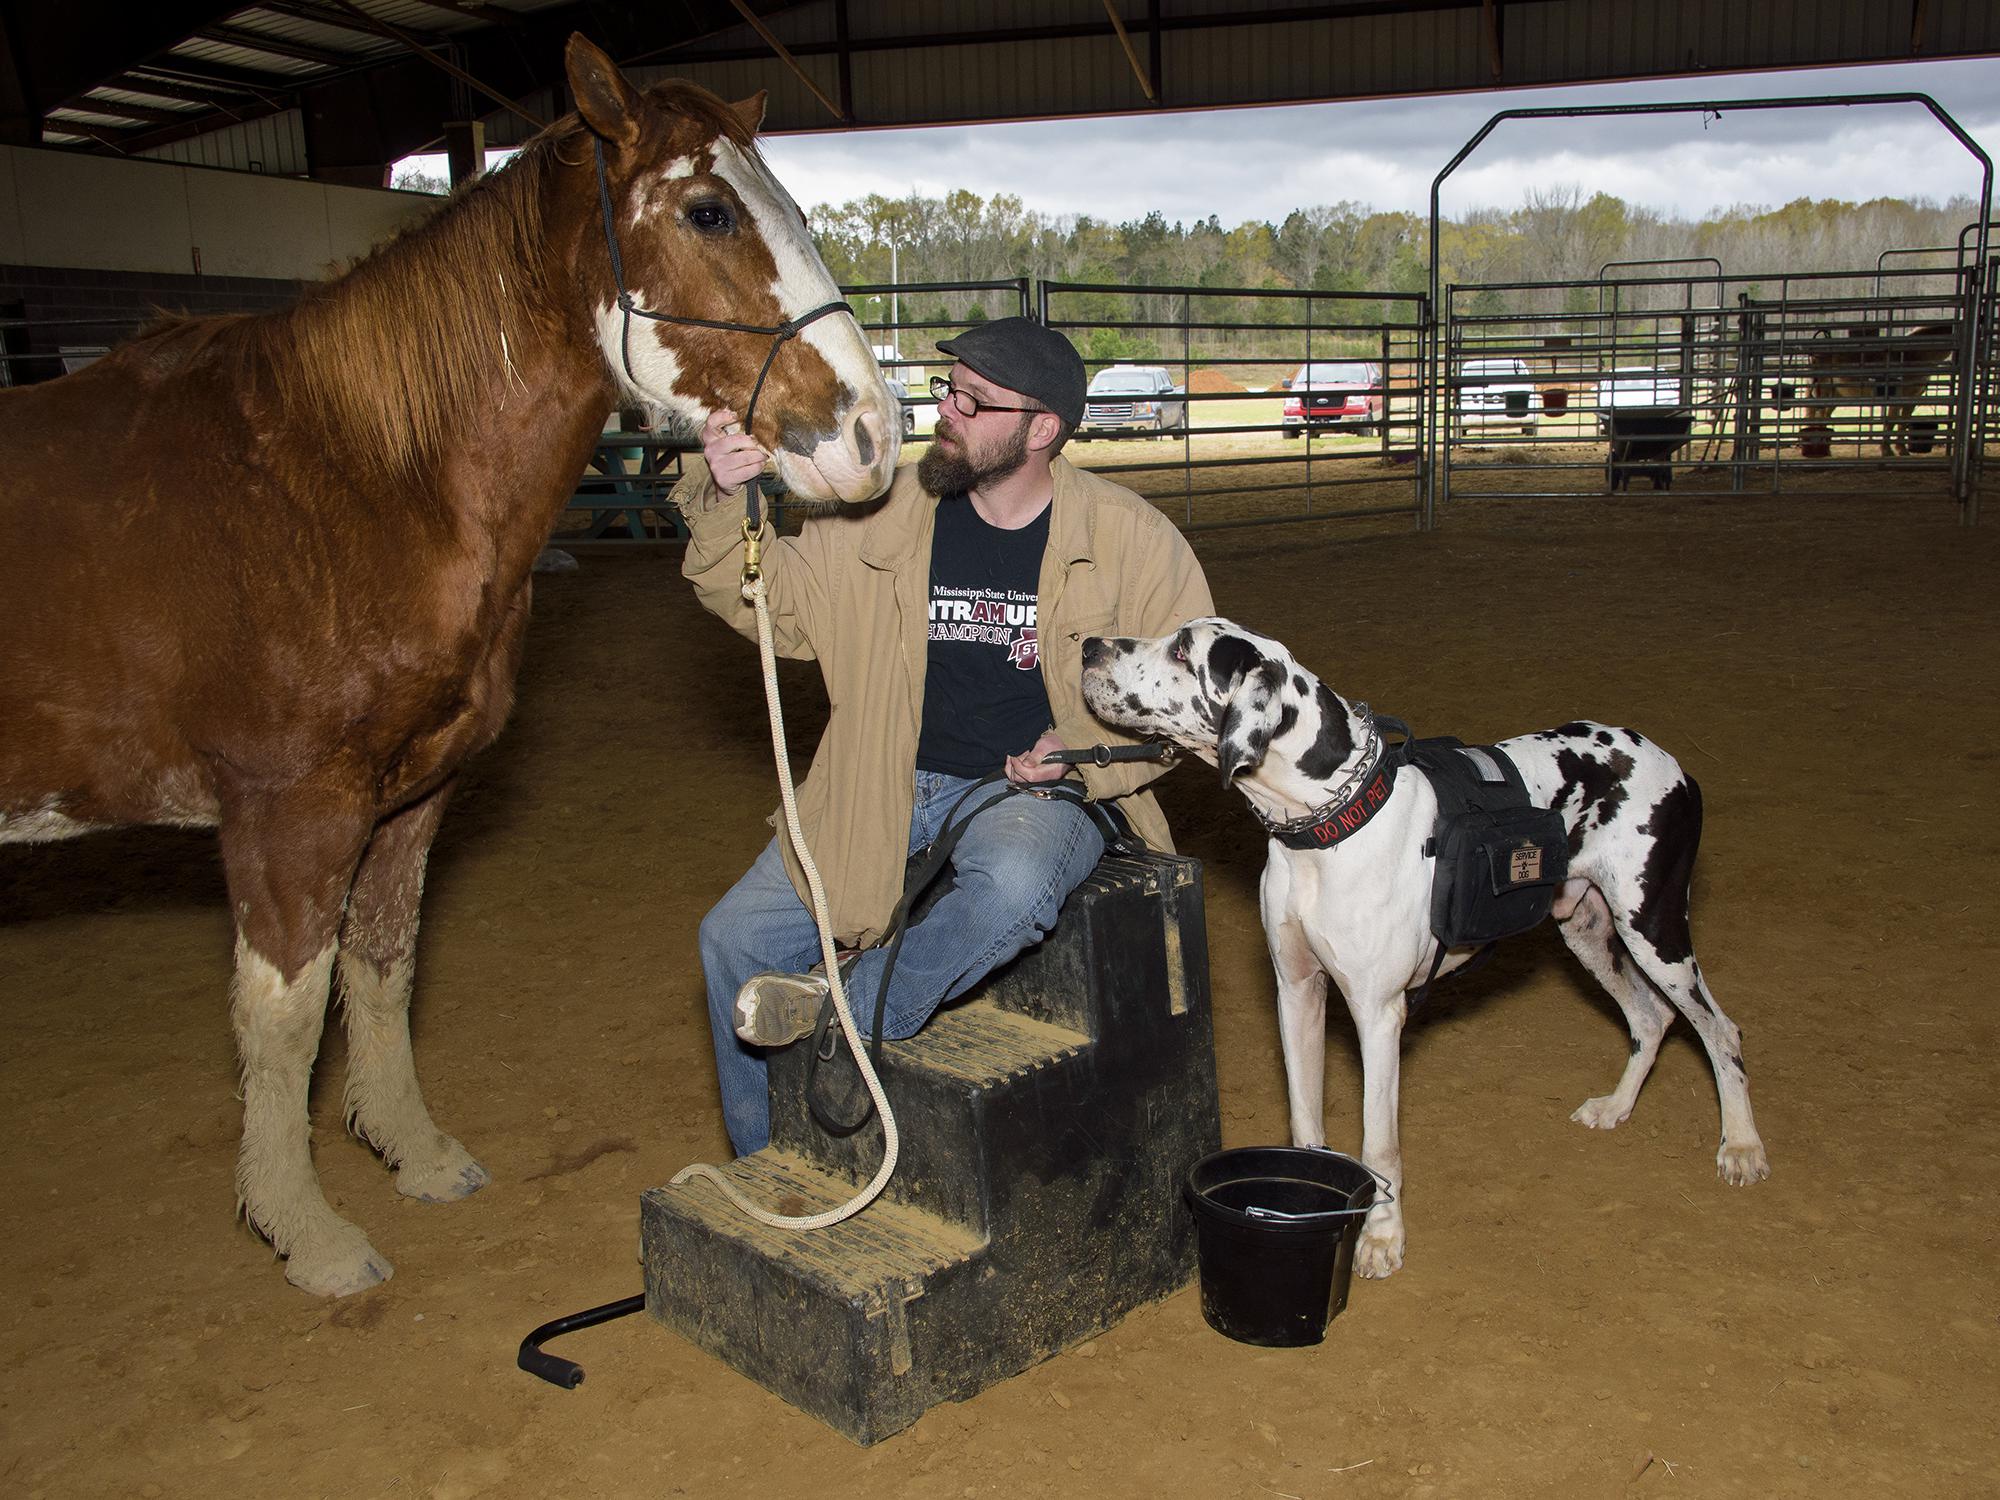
<point>491,13</point>
<point>328,15</point>
<point>691,50</point>
<point>199,70</point>
<point>117,109</point>
<point>136,82</point>
<point>756,24</point>
<point>1125,41</point>
<point>443,64</point>
<point>278,46</point>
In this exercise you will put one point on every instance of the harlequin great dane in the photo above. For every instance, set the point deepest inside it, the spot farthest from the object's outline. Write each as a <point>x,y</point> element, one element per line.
<point>1359,909</point>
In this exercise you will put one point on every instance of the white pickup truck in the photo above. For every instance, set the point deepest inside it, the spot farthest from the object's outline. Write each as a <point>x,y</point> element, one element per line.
<point>1497,392</point>
<point>1636,387</point>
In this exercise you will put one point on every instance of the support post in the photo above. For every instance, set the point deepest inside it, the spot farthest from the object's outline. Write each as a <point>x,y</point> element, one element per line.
<point>465,148</point>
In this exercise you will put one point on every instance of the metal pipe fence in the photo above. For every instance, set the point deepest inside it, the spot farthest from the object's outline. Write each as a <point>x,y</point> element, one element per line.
<point>1280,405</point>
<point>1796,378</point>
<point>1312,397</point>
<point>1970,340</point>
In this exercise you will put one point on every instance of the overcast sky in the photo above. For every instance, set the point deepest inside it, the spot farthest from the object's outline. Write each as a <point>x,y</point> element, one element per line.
<point>1243,164</point>
<point>1263,163</point>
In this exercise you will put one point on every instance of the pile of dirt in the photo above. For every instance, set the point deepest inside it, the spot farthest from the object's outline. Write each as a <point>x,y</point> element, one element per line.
<point>1212,383</point>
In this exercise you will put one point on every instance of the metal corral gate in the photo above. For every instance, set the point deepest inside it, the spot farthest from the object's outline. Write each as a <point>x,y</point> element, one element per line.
<point>1709,384</point>
<point>1282,405</point>
<point>1870,349</point>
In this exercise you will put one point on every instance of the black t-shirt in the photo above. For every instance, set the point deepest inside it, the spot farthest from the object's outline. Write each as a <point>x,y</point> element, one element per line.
<point>983,693</point>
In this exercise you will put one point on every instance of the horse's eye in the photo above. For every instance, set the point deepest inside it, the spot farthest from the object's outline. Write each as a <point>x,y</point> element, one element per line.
<point>711,216</point>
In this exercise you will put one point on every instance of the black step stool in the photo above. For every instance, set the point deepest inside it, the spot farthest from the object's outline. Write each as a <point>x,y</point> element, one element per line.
<point>1047,1122</point>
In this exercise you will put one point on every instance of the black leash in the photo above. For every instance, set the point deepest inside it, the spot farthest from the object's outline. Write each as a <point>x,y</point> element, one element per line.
<point>779,335</point>
<point>1117,836</point>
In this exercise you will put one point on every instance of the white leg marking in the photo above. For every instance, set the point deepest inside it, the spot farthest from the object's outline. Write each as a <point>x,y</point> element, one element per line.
<point>383,1101</point>
<point>277,1033</point>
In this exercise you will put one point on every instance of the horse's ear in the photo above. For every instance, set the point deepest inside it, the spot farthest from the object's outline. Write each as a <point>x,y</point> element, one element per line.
<point>609,105</point>
<point>751,111</point>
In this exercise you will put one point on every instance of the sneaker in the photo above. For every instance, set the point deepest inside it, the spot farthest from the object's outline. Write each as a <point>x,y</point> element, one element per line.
<point>775,1010</point>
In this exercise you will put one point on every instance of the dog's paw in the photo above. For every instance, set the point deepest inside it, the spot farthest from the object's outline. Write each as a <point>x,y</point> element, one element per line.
<point>1739,1166</point>
<point>1602,1113</point>
<point>1380,1252</point>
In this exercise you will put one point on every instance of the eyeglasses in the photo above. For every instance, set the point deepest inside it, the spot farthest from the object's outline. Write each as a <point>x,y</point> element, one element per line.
<point>965,403</point>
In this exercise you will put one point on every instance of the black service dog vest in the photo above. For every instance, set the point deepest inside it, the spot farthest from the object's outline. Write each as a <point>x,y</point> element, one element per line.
<point>1499,858</point>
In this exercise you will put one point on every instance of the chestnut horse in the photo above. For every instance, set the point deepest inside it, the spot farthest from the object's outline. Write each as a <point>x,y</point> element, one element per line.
<point>1867,368</point>
<point>285,595</point>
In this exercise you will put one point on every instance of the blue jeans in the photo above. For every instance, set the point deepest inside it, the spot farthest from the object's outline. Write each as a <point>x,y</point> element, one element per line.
<point>1014,866</point>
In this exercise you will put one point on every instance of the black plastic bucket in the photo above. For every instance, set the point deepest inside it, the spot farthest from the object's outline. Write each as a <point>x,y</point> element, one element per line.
<point>1275,1228</point>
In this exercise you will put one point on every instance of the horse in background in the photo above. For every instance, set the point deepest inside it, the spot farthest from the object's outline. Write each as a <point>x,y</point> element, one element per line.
<point>1869,367</point>
<point>287,600</point>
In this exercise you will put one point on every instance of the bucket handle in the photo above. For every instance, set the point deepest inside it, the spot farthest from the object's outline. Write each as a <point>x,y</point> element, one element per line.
<point>1384,1195</point>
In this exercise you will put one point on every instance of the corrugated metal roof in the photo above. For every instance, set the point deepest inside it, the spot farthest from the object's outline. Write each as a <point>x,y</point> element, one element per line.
<point>926,62</point>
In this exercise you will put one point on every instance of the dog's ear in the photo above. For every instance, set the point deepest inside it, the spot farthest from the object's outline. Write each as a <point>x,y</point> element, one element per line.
<point>1249,720</point>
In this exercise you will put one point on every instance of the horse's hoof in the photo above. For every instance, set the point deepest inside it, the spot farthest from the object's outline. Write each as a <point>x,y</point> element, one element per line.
<point>446,1178</point>
<point>346,1264</point>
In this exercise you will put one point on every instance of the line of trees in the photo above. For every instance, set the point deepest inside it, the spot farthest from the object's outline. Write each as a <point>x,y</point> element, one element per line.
<point>1556,234</point>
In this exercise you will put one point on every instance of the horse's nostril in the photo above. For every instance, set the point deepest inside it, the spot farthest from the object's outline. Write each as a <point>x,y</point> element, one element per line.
<point>864,440</point>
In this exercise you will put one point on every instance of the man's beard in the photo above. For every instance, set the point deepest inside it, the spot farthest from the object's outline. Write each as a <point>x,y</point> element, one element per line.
<point>952,472</point>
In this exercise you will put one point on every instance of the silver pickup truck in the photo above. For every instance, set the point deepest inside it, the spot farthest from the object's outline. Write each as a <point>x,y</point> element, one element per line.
<point>1133,398</point>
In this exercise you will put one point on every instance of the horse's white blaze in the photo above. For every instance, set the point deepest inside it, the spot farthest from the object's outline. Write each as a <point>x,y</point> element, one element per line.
<point>41,825</point>
<point>803,284</point>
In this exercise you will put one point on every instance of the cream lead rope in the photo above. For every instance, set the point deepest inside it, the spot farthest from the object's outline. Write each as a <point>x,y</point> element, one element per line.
<point>753,590</point>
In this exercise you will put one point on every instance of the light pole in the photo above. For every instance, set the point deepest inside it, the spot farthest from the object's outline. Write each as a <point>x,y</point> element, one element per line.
<point>895,321</point>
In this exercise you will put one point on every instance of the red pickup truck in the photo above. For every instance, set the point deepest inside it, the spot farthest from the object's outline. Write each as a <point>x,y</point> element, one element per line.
<point>1342,393</point>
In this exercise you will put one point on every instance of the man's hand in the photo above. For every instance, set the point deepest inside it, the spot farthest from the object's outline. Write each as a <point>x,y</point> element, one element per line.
<point>1026,769</point>
<point>733,455</point>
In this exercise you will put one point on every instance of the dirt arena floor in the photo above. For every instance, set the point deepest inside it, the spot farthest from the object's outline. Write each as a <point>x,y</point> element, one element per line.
<point>1582,1314</point>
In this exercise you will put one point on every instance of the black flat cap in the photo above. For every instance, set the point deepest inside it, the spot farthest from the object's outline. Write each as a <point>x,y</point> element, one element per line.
<point>1024,356</point>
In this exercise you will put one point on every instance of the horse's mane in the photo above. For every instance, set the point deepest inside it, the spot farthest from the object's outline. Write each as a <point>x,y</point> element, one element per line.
<point>390,358</point>
<point>399,351</point>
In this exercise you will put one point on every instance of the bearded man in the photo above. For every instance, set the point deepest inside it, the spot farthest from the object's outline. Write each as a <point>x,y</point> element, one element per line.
<point>948,622</point>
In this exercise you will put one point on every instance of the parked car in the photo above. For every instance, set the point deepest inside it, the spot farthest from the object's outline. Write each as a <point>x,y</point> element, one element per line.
<point>1636,387</point>
<point>902,394</point>
<point>1497,393</point>
<point>1133,398</point>
<point>1343,393</point>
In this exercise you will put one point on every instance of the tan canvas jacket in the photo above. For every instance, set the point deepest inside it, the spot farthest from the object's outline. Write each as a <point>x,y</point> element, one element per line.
<point>852,592</point>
